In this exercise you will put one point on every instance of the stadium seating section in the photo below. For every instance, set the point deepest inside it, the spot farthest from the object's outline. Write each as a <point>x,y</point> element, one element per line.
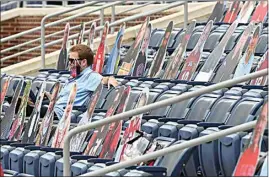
<point>170,125</point>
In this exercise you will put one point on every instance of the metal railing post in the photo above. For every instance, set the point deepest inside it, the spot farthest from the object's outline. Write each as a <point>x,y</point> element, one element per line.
<point>44,4</point>
<point>43,50</point>
<point>144,109</point>
<point>64,3</point>
<point>185,14</point>
<point>102,14</point>
<point>112,18</point>
<point>18,4</point>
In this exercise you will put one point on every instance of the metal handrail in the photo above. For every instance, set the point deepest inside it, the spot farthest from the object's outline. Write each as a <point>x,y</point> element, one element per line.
<point>55,23</point>
<point>39,28</point>
<point>47,36</point>
<point>118,22</point>
<point>72,17</point>
<point>8,3</point>
<point>144,109</point>
<point>72,28</point>
<point>63,20</point>
<point>171,149</point>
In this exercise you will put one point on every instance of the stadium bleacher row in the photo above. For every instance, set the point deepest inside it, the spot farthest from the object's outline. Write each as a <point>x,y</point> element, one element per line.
<point>182,121</point>
<point>167,126</point>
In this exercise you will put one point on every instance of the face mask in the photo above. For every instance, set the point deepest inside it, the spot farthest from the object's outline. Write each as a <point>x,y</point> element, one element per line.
<point>75,69</point>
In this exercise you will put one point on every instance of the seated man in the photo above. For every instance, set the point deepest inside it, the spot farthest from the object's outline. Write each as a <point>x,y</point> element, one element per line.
<point>80,60</point>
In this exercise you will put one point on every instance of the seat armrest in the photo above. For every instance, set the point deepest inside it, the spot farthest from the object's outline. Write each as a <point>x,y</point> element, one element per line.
<point>60,152</point>
<point>185,122</point>
<point>152,168</point>
<point>171,119</point>
<point>111,163</point>
<point>223,127</point>
<point>6,142</point>
<point>82,157</point>
<point>64,72</point>
<point>198,83</point>
<point>100,110</point>
<point>162,80</point>
<point>21,144</point>
<point>176,81</point>
<point>130,167</point>
<point>209,124</point>
<point>80,108</point>
<point>148,117</point>
<point>99,160</point>
<point>131,77</point>
<point>33,147</point>
<point>121,76</point>
<point>108,75</point>
<point>147,79</point>
<point>49,149</point>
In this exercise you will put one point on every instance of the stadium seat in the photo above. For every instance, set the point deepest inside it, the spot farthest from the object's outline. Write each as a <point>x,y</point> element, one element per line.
<point>173,162</point>
<point>16,159</point>
<point>163,127</point>
<point>47,164</point>
<point>217,116</point>
<point>230,145</point>
<point>151,127</point>
<point>174,91</point>
<point>198,112</point>
<point>262,45</point>
<point>5,150</point>
<point>181,109</point>
<point>156,38</point>
<point>31,162</point>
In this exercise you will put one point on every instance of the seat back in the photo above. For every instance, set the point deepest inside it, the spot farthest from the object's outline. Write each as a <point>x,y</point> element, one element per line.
<point>222,108</point>
<point>201,106</point>
<point>174,162</point>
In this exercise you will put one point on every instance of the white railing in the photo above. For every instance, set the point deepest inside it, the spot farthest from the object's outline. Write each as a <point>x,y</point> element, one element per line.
<point>153,106</point>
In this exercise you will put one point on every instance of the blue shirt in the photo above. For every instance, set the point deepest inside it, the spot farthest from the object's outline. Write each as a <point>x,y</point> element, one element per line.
<point>243,68</point>
<point>87,82</point>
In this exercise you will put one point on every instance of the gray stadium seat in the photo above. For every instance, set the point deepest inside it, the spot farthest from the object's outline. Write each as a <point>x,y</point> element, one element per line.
<point>218,115</point>
<point>47,164</point>
<point>230,145</point>
<point>5,150</point>
<point>16,159</point>
<point>31,162</point>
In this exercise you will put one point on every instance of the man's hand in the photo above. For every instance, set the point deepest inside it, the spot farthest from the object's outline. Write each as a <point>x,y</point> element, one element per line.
<point>110,81</point>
